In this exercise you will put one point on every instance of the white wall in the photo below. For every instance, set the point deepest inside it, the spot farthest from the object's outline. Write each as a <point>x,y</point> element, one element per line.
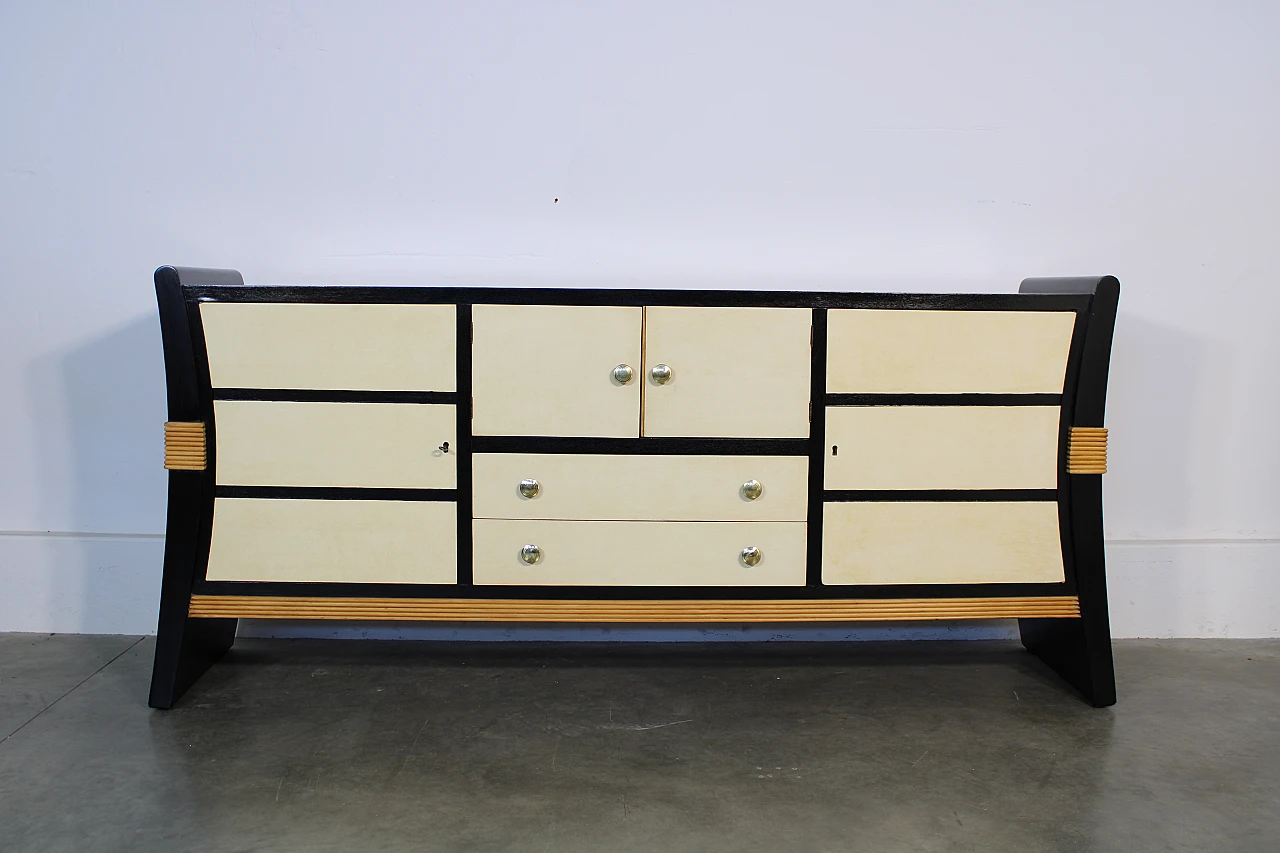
<point>824,145</point>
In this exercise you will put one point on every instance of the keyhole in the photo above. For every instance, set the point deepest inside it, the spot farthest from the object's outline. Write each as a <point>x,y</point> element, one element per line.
<point>444,448</point>
<point>835,449</point>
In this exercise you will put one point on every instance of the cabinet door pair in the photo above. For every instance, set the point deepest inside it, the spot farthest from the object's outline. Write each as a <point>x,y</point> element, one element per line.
<point>624,372</point>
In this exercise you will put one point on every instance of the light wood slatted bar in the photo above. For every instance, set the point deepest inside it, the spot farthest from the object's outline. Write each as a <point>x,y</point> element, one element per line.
<point>1087,450</point>
<point>185,446</point>
<point>557,610</point>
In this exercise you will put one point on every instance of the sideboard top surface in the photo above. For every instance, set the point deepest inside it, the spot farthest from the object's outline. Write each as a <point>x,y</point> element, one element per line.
<point>637,296</point>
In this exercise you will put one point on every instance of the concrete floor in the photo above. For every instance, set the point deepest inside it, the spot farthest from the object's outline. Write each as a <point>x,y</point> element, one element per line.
<point>379,746</point>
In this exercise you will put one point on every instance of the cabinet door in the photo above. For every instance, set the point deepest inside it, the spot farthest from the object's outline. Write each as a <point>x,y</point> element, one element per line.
<point>548,370</point>
<point>733,372</point>
<point>953,542</point>
<point>330,346</point>
<point>333,541</point>
<point>942,447</point>
<point>359,445</point>
<point>885,351</point>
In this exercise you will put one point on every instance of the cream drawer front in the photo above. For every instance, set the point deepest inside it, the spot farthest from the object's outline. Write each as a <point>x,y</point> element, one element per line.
<point>947,352</point>
<point>944,543</point>
<point>641,488</point>
<point>735,372</point>
<point>388,445</point>
<point>639,553</point>
<point>547,370</point>
<point>334,541</point>
<point>942,447</point>
<point>330,346</point>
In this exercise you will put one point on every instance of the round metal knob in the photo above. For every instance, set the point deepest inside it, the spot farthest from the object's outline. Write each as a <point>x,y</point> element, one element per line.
<point>660,373</point>
<point>751,555</point>
<point>530,488</point>
<point>532,554</point>
<point>752,489</point>
<point>623,373</point>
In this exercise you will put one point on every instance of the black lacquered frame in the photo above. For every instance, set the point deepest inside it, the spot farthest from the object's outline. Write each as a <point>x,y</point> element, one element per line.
<point>1078,648</point>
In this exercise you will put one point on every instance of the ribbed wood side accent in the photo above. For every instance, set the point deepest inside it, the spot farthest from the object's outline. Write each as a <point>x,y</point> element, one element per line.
<point>1087,450</point>
<point>184,446</point>
<point>544,610</point>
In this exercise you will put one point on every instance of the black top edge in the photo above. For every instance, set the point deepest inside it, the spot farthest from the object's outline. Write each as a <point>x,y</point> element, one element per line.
<point>1080,285</point>
<point>635,297</point>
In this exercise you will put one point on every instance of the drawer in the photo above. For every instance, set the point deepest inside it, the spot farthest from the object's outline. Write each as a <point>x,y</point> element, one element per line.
<point>944,543</point>
<point>942,447</point>
<point>639,553</point>
<point>548,370</point>
<point>334,541</point>
<point>734,372</point>
<point>947,352</point>
<point>641,488</point>
<point>335,347</point>
<point>389,445</point>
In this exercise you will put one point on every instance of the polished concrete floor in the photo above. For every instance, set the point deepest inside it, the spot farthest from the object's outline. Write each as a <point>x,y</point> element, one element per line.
<point>377,746</point>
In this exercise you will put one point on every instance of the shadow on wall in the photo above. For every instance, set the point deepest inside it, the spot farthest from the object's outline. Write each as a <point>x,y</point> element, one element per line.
<point>1158,424</point>
<point>1161,432</point>
<point>101,409</point>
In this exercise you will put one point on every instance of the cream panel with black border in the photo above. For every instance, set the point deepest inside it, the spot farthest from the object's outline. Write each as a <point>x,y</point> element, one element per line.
<point>556,370</point>
<point>674,488</point>
<point>639,553</point>
<point>882,351</point>
<point>942,447</point>
<point>331,346</point>
<point>371,445</point>
<point>344,541</point>
<point>961,542</point>
<point>727,372</point>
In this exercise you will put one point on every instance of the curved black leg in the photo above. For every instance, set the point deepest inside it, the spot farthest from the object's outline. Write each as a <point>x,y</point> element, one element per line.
<point>185,646</point>
<point>1080,649</point>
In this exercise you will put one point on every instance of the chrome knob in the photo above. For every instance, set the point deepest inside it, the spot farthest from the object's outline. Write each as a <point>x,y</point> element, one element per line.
<point>660,374</point>
<point>623,373</point>
<point>751,555</point>
<point>752,489</point>
<point>531,554</point>
<point>530,488</point>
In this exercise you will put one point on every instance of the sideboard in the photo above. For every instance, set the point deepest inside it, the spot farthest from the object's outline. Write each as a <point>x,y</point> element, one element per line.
<point>643,456</point>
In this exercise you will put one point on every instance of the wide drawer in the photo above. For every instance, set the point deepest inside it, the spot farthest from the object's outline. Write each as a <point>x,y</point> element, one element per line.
<point>389,445</point>
<point>641,488</point>
<point>639,553</point>
<point>331,346</point>
<point>322,541</point>
<point>878,351</point>
<point>942,447</point>
<point>958,542</point>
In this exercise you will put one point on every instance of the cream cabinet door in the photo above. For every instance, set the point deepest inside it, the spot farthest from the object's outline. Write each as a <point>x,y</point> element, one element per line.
<point>331,346</point>
<point>885,351</point>
<point>549,370</point>
<point>358,445</point>
<point>954,542</point>
<point>319,541</point>
<point>727,372</point>
<point>942,447</point>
